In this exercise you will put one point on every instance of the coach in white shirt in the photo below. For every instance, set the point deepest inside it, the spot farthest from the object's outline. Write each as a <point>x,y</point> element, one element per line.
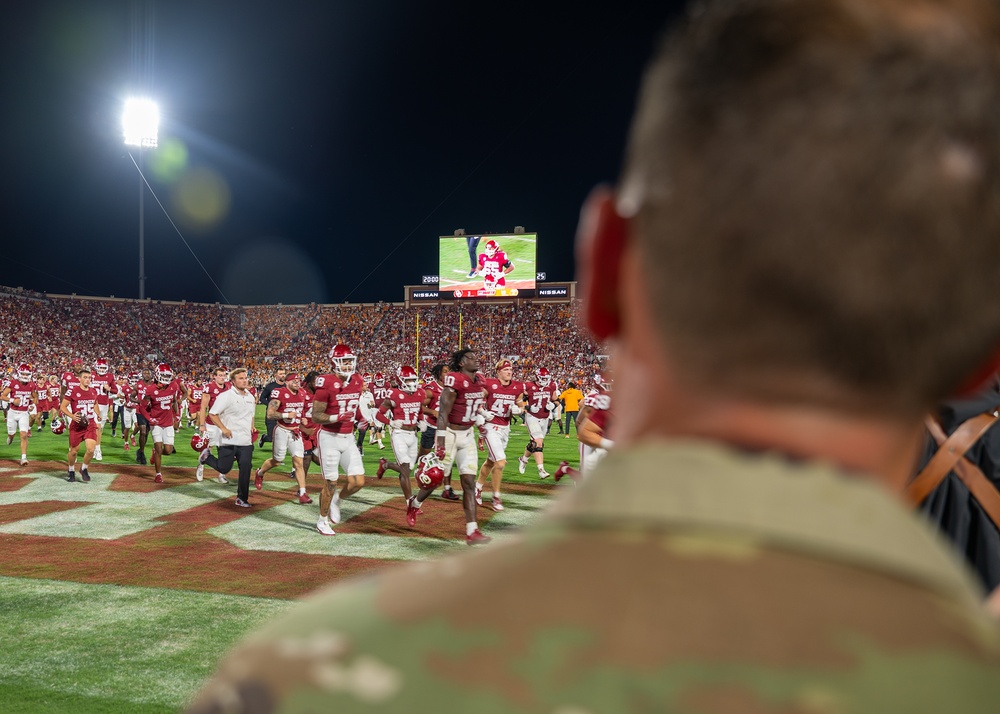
<point>233,413</point>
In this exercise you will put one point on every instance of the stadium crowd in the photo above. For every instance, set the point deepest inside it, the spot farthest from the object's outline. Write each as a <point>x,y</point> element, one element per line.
<point>47,331</point>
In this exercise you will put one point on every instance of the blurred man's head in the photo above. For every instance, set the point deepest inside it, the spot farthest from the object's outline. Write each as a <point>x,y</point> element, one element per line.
<point>811,202</point>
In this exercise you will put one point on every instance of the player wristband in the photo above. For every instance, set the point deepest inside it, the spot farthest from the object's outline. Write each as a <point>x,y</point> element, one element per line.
<point>606,443</point>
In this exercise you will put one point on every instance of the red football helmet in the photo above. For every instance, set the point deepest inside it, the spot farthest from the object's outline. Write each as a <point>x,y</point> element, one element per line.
<point>492,248</point>
<point>601,382</point>
<point>543,377</point>
<point>101,366</point>
<point>428,377</point>
<point>199,441</point>
<point>429,473</point>
<point>24,372</point>
<point>133,378</point>
<point>164,375</point>
<point>343,361</point>
<point>407,377</point>
<point>57,426</point>
<point>379,379</point>
<point>76,364</point>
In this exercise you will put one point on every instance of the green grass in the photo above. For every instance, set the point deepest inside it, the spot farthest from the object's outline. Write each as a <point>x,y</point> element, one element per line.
<point>82,648</point>
<point>105,648</point>
<point>46,446</point>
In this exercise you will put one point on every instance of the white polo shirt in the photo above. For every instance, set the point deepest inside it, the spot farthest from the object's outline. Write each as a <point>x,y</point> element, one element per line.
<point>236,412</point>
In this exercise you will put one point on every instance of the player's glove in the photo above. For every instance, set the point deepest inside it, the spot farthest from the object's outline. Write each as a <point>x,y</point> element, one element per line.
<point>551,406</point>
<point>534,409</point>
<point>515,410</point>
<point>422,426</point>
<point>396,423</point>
<point>480,420</point>
<point>487,415</point>
<point>439,450</point>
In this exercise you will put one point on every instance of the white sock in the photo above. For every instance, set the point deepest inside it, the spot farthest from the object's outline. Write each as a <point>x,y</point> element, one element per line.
<point>336,497</point>
<point>471,527</point>
<point>416,503</point>
<point>301,491</point>
<point>496,494</point>
<point>24,457</point>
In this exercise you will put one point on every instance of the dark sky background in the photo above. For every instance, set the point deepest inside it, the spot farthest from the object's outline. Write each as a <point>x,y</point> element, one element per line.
<point>302,142</point>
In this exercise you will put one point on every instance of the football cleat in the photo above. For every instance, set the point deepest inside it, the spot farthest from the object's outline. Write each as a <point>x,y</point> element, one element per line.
<point>382,463</point>
<point>335,511</point>
<point>10,439</point>
<point>258,480</point>
<point>449,495</point>
<point>241,503</point>
<point>522,464</point>
<point>85,475</point>
<point>563,470</point>
<point>411,513</point>
<point>199,473</point>
<point>479,495</point>
<point>71,477</point>
<point>477,538</point>
<point>140,457</point>
<point>304,498</point>
<point>542,473</point>
<point>98,456</point>
<point>497,503</point>
<point>158,478</point>
<point>324,527</point>
<point>222,479</point>
<point>22,462</point>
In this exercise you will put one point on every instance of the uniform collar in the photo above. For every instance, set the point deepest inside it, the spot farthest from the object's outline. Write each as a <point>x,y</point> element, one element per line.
<point>766,499</point>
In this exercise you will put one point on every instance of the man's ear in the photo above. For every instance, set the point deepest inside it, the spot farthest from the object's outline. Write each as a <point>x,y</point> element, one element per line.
<point>600,245</point>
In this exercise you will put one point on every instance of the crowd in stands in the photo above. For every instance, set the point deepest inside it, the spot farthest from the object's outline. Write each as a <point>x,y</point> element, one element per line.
<point>48,331</point>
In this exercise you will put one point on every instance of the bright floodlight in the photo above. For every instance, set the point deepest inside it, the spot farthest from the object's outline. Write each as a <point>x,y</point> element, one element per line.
<point>141,122</point>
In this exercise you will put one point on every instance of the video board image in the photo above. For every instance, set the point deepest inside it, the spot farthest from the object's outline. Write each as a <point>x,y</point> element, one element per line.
<point>487,266</point>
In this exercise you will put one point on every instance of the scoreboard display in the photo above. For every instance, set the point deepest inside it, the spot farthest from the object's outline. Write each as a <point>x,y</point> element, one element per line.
<point>487,266</point>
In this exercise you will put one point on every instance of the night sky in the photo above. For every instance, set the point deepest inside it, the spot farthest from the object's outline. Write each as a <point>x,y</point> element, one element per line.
<point>302,143</point>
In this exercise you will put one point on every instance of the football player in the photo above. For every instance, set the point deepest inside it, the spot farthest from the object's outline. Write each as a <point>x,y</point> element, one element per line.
<point>455,439</point>
<point>286,407</point>
<point>145,382</point>
<point>540,397</point>
<point>22,394</point>
<point>159,406</point>
<point>380,389</point>
<point>79,406</point>
<point>401,410</point>
<point>503,400</point>
<point>103,380</point>
<point>335,411</point>
<point>212,391</point>
<point>430,416</point>
<point>494,265</point>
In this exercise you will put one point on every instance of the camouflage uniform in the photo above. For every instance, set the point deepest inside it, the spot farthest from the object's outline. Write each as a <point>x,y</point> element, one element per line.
<point>682,577</point>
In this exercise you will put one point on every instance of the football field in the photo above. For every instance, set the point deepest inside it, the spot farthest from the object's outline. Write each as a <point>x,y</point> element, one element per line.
<point>120,595</point>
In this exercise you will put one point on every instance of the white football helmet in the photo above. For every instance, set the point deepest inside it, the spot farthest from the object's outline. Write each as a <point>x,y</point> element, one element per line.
<point>408,380</point>
<point>164,375</point>
<point>343,360</point>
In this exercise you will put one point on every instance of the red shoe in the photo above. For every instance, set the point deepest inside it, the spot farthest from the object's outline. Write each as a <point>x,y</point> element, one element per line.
<point>477,538</point>
<point>382,463</point>
<point>126,446</point>
<point>304,498</point>
<point>481,444</point>
<point>158,478</point>
<point>411,514</point>
<point>449,495</point>
<point>563,470</point>
<point>258,480</point>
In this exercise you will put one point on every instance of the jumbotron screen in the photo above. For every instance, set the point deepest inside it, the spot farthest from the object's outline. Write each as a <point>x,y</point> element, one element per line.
<point>487,266</point>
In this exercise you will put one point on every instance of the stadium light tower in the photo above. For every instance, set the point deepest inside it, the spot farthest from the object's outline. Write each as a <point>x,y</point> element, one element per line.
<point>141,126</point>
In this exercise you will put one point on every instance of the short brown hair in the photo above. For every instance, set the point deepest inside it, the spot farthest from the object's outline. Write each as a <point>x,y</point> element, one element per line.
<point>238,370</point>
<point>815,189</point>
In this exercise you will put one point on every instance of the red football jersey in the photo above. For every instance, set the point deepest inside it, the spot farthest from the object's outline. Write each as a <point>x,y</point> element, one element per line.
<point>55,393</point>
<point>213,391</point>
<point>500,398</point>
<point>469,397</point>
<point>161,403</point>
<point>69,380</point>
<point>105,386</point>
<point>405,405</point>
<point>342,399</point>
<point>194,400</point>
<point>600,402</point>
<point>298,403</point>
<point>537,395</point>
<point>380,394</point>
<point>82,401</point>
<point>20,394</point>
<point>492,268</point>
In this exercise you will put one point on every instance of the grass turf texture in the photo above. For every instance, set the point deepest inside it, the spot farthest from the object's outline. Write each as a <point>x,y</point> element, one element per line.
<point>120,595</point>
